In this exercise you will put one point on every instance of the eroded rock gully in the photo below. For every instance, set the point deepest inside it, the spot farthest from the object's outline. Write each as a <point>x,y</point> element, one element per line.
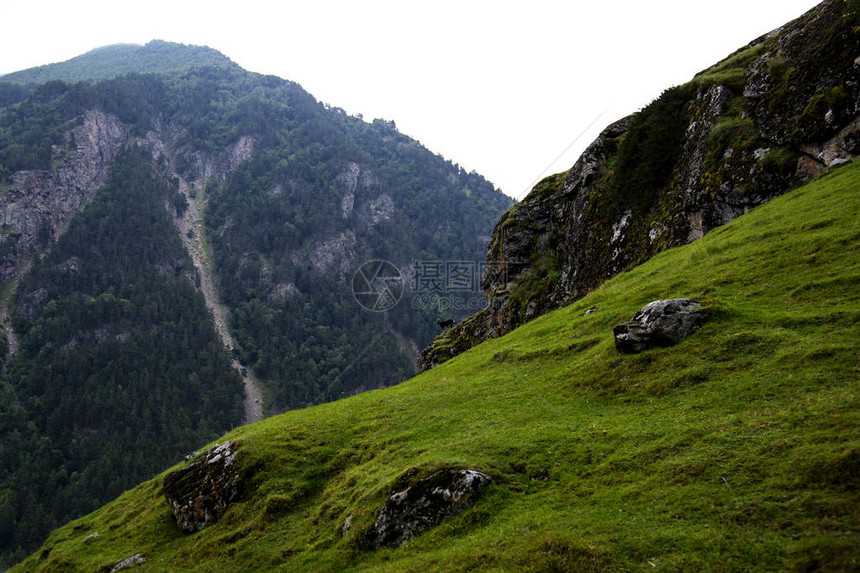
<point>191,230</point>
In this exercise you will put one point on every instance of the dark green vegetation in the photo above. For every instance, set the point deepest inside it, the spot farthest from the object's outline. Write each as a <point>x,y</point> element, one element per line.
<point>119,372</point>
<point>119,368</point>
<point>736,450</point>
<point>286,201</point>
<point>644,157</point>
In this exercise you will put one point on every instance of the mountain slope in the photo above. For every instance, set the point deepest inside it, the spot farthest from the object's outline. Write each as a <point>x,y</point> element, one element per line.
<point>736,450</point>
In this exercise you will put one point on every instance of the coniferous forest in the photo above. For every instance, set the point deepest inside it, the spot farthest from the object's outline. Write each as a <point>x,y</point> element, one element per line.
<point>119,367</point>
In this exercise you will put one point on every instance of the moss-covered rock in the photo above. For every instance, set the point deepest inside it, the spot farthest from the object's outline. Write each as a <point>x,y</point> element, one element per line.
<point>200,493</point>
<point>424,504</point>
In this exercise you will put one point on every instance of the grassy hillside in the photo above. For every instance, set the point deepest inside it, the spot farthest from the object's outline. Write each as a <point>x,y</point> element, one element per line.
<point>737,450</point>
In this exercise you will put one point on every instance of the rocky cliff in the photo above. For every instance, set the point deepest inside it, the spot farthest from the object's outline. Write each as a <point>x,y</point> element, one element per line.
<point>769,117</point>
<point>39,203</point>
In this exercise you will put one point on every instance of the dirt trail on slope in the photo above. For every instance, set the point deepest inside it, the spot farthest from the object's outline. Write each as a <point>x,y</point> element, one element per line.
<point>190,226</point>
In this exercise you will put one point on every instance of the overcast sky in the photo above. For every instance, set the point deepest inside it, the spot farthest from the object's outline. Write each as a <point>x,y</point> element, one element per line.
<point>508,89</point>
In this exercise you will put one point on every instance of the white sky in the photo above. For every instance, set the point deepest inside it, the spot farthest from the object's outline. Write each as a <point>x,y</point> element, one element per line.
<point>499,87</point>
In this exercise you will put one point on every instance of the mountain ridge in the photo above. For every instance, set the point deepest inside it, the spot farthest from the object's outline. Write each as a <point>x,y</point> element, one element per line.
<point>756,124</point>
<point>106,62</point>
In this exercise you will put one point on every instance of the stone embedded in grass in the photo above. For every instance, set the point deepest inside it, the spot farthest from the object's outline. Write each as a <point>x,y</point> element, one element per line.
<point>425,504</point>
<point>659,323</point>
<point>91,537</point>
<point>127,563</point>
<point>200,492</point>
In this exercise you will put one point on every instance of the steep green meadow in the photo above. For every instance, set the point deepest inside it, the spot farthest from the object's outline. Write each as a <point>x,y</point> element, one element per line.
<point>737,450</point>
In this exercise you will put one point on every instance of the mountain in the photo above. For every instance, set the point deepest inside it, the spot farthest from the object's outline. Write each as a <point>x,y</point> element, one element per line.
<point>542,447</point>
<point>761,122</point>
<point>735,450</point>
<point>191,246</point>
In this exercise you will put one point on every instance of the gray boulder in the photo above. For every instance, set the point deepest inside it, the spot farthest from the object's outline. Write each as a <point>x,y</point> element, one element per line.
<point>424,504</point>
<point>127,563</point>
<point>659,323</point>
<point>199,493</point>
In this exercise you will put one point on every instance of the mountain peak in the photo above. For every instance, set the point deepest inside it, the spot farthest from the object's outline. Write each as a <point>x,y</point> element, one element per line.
<point>156,56</point>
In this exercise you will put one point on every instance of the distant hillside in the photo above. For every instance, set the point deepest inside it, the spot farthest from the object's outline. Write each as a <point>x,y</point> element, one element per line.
<point>108,62</point>
<point>736,450</point>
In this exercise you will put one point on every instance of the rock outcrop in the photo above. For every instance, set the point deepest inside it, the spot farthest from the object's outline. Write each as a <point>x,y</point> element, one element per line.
<point>752,127</point>
<point>335,253</point>
<point>200,493</point>
<point>424,504</point>
<point>659,323</point>
<point>39,204</point>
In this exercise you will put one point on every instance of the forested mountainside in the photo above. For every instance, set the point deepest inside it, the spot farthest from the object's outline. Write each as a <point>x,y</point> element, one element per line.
<point>119,369</point>
<point>753,126</point>
<point>170,235</point>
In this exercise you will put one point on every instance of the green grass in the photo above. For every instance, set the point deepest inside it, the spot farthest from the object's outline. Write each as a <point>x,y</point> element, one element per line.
<point>737,450</point>
<point>732,70</point>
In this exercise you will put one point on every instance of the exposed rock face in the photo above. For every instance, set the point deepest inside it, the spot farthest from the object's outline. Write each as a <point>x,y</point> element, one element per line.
<point>749,129</point>
<point>350,179</point>
<point>380,208</point>
<point>39,204</point>
<point>337,252</point>
<point>203,166</point>
<point>358,182</point>
<point>199,167</point>
<point>425,504</point>
<point>201,492</point>
<point>659,323</point>
<point>239,152</point>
